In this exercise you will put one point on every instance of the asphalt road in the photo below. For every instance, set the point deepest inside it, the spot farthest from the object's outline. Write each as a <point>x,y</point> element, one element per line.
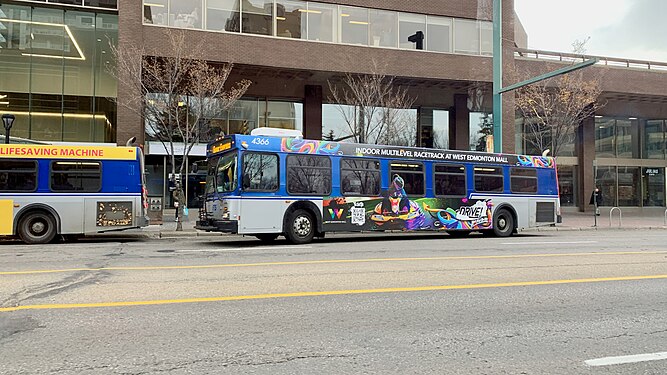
<point>549,303</point>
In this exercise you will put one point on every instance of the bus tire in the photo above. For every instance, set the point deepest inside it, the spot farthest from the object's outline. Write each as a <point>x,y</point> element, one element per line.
<point>300,227</point>
<point>37,227</point>
<point>503,223</point>
<point>267,237</point>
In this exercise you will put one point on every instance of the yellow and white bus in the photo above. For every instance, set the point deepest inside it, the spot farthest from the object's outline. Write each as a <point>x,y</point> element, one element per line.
<point>52,190</point>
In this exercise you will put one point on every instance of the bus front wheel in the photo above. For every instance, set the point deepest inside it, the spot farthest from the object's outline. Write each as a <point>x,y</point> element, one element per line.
<point>503,223</point>
<point>37,228</point>
<point>300,227</point>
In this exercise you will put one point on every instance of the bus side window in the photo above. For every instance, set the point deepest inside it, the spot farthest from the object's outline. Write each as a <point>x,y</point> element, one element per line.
<point>450,180</point>
<point>523,180</point>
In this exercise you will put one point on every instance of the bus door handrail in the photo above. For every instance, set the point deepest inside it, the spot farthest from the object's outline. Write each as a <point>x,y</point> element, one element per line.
<point>620,216</point>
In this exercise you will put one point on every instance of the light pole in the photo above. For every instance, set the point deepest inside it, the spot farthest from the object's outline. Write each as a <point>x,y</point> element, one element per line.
<point>8,121</point>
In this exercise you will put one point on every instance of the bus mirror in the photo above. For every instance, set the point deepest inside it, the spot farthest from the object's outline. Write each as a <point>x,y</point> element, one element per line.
<point>195,168</point>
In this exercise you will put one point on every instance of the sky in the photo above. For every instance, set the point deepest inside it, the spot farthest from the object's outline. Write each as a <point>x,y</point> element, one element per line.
<point>633,29</point>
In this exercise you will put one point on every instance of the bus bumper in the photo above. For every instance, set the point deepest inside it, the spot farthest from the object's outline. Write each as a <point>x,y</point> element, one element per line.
<point>226,226</point>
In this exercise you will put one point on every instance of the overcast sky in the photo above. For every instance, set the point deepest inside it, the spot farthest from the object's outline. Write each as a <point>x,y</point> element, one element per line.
<point>635,29</point>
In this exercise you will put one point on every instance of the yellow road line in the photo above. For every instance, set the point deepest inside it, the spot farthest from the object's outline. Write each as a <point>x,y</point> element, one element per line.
<point>324,293</point>
<point>332,261</point>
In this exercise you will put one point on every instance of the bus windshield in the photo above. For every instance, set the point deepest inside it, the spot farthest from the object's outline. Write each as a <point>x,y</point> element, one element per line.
<point>226,173</point>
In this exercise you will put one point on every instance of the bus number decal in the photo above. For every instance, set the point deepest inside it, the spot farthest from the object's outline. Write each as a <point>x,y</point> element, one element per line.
<point>260,141</point>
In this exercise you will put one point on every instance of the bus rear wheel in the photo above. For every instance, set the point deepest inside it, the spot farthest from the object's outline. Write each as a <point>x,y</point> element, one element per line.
<point>37,228</point>
<point>503,223</point>
<point>300,227</point>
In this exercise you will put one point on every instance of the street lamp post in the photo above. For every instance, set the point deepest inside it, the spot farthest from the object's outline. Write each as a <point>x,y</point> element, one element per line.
<point>8,121</point>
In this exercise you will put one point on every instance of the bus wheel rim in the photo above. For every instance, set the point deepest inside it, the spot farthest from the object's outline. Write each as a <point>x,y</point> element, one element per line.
<point>37,227</point>
<point>302,226</point>
<point>502,223</point>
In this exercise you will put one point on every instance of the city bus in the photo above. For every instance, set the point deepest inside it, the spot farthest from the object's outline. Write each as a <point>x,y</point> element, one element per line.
<point>267,185</point>
<point>61,190</point>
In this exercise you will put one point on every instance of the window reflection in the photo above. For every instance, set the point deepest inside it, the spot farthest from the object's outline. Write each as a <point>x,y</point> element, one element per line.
<point>223,15</point>
<point>354,25</point>
<point>654,140</point>
<point>257,17</point>
<point>466,36</point>
<point>321,22</point>
<point>604,137</point>
<point>409,24</point>
<point>291,19</point>
<point>383,26</point>
<point>185,14</point>
<point>438,34</point>
<point>156,12</point>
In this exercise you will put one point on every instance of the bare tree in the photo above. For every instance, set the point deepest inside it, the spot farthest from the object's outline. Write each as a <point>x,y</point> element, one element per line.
<point>374,109</point>
<point>178,93</point>
<point>553,109</point>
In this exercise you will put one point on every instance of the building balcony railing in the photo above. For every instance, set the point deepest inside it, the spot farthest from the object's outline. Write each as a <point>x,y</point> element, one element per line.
<point>606,61</point>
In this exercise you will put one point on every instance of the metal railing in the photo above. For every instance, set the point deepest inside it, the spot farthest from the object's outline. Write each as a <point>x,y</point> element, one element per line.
<point>602,60</point>
<point>620,216</point>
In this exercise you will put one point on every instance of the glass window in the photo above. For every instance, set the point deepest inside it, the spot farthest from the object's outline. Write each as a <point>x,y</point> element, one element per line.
<point>354,25</point>
<point>486,31</point>
<point>211,174</point>
<point>308,175</point>
<point>360,177</point>
<point>624,139</point>
<point>260,172</point>
<point>654,140</point>
<point>481,127</point>
<point>410,175</point>
<point>18,175</point>
<point>488,179</point>
<point>257,16</point>
<point>291,19</point>
<point>321,22</point>
<point>226,173</point>
<point>283,115</point>
<point>567,185</point>
<point>439,34</point>
<point>440,129</point>
<point>523,180</point>
<point>67,2</point>
<point>653,185</point>
<point>628,186</point>
<point>185,14</point>
<point>605,178</point>
<point>156,12</point>
<point>450,180</point>
<point>409,24</point>
<point>111,4</point>
<point>604,137</point>
<point>76,176</point>
<point>466,36</point>
<point>223,15</point>
<point>384,28</point>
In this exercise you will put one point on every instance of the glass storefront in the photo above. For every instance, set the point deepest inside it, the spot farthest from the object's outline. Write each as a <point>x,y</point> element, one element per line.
<point>653,187</point>
<point>340,121</point>
<point>630,186</point>
<point>323,22</point>
<point>530,134</point>
<point>53,75</point>
<point>246,115</point>
<point>567,185</point>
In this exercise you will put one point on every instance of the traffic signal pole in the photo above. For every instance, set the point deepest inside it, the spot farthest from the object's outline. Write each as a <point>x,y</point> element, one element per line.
<point>498,77</point>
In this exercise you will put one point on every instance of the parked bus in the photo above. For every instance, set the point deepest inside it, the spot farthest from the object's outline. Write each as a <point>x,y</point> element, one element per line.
<point>268,186</point>
<point>51,190</point>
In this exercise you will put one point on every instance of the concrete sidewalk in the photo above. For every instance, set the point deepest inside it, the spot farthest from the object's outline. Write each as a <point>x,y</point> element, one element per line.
<point>629,219</point>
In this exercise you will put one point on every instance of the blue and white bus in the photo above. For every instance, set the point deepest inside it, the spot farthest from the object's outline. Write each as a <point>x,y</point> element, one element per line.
<point>268,186</point>
<point>51,190</point>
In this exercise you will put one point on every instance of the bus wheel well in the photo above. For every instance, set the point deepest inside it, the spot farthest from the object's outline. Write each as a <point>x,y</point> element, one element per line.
<point>512,211</point>
<point>37,208</point>
<point>308,206</point>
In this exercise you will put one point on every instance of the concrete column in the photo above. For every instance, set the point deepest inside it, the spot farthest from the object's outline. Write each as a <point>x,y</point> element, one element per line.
<point>459,124</point>
<point>586,155</point>
<point>130,32</point>
<point>312,112</point>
